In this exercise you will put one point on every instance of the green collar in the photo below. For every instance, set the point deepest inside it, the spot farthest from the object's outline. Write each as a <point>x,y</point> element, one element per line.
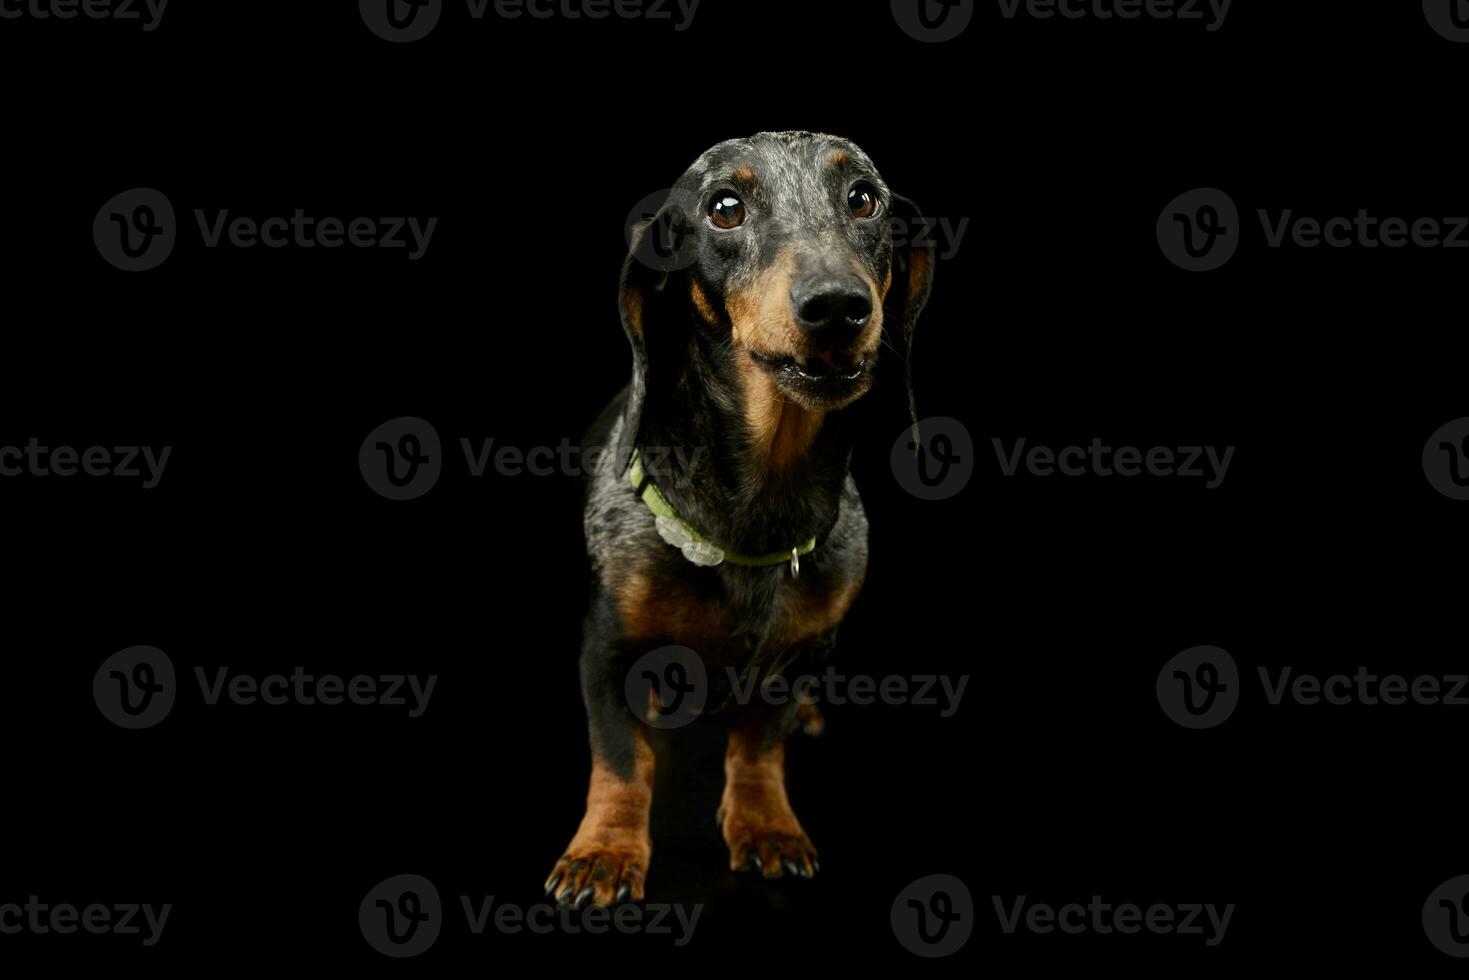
<point>695,547</point>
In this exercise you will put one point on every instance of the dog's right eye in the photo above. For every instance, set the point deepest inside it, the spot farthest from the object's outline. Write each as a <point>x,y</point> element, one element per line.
<point>726,211</point>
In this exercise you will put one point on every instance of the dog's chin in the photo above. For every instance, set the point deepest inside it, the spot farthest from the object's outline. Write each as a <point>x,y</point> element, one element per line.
<point>816,386</point>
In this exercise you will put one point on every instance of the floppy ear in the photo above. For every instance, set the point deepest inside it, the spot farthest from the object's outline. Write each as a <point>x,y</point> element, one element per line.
<point>914,257</point>
<point>647,317</point>
<point>913,261</point>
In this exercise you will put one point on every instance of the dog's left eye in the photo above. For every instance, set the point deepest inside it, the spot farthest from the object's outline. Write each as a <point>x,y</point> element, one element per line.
<point>727,211</point>
<point>862,199</point>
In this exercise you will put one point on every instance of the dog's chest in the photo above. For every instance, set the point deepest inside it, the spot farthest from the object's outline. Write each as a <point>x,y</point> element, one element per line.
<point>735,617</point>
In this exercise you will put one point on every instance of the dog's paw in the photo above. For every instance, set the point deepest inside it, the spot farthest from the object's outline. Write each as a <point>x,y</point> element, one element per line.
<point>774,848</point>
<point>598,875</point>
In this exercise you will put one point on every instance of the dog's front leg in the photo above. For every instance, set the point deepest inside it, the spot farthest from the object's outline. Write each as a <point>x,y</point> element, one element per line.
<point>755,814</point>
<point>607,861</point>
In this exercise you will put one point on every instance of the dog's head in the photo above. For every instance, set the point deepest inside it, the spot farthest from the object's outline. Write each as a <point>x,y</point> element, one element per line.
<point>779,249</point>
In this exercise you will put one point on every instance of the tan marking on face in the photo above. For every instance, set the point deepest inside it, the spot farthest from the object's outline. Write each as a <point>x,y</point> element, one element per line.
<point>760,314</point>
<point>701,303</point>
<point>745,175</point>
<point>780,431</point>
<point>839,158</point>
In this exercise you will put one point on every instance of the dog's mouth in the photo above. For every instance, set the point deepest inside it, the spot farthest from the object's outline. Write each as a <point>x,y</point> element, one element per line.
<point>822,380</point>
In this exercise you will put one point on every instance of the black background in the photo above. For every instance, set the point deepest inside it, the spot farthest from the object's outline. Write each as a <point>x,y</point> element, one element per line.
<point>1058,320</point>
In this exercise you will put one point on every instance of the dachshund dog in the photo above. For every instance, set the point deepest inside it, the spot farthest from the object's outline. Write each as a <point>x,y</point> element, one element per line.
<point>751,340</point>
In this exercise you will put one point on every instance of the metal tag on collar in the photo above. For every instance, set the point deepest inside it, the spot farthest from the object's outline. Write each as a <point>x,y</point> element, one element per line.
<point>795,563</point>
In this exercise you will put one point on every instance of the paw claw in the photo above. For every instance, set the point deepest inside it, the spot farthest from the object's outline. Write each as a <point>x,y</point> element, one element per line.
<point>599,875</point>
<point>772,853</point>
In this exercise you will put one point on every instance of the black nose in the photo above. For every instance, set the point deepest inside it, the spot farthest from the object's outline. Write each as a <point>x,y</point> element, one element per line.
<point>832,311</point>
